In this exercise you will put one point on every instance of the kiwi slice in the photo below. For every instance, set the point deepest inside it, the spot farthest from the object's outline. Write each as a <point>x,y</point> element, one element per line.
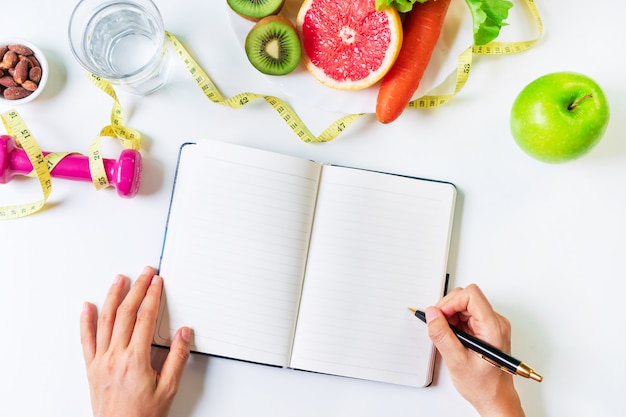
<point>255,9</point>
<point>273,46</point>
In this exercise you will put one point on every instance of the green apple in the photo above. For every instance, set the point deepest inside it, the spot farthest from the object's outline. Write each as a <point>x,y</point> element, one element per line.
<point>559,116</point>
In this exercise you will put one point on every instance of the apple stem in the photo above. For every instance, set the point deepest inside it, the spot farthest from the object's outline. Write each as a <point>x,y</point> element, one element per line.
<point>577,102</point>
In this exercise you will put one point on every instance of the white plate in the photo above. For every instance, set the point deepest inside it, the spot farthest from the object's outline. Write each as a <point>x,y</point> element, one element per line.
<point>300,85</point>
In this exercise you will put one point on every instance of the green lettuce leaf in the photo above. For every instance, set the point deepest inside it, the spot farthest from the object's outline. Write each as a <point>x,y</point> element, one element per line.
<point>487,15</point>
<point>402,6</point>
<point>488,18</point>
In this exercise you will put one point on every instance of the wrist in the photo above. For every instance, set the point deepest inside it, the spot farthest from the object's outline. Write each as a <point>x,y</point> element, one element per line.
<point>505,404</point>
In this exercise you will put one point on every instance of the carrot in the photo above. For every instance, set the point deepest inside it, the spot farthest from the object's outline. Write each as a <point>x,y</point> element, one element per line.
<point>421,30</point>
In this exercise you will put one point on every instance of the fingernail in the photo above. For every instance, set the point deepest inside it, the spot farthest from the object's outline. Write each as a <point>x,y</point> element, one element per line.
<point>117,279</point>
<point>155,280</point>
<point>147,270</point>
<point>185,334</point>
<point>431,314</point>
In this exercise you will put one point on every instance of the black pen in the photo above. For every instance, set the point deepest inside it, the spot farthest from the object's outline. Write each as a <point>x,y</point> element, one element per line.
<point>489,353</point>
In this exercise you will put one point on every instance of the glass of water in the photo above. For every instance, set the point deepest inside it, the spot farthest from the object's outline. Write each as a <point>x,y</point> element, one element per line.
<point>122,41</point>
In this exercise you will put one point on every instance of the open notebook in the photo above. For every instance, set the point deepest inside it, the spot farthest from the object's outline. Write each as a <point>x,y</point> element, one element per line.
<point>283,261</point>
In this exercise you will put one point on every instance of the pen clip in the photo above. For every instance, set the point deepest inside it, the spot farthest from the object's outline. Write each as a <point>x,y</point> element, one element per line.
<point>495,365</point>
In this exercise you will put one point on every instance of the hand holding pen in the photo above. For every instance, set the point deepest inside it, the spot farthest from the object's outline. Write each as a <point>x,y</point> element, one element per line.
<point>486,387</point>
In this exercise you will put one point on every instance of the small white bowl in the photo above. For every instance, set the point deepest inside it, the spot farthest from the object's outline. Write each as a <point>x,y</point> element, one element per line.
<point>43,62</point>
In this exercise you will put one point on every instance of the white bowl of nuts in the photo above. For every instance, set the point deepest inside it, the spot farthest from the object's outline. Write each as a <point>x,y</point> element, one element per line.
<point>23,71</point>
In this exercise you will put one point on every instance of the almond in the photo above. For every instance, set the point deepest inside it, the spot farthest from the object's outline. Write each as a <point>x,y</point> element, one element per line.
<point>21,50</point>
<point>29,85</point>
<point>21,71</point>
<point>35,74</point>
<point>9,60</point>
<point>8,81</point>
<point>33,60</point>
<point>16,93</point>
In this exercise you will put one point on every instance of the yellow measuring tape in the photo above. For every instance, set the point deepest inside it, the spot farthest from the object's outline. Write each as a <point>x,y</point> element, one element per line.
<point>16,127</point>
<point>132,139</point>
<point>43,165</point>
<point>283,109</point>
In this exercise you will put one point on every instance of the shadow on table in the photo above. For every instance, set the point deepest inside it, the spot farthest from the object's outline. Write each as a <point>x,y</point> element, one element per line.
<point>151,176</point>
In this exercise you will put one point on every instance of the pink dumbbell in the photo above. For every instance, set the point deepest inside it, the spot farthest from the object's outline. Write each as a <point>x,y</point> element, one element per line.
<point>124,173</point>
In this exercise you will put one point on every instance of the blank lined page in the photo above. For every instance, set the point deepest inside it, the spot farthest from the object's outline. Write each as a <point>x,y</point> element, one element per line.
<point>235,250</point>
<point>379,245</point>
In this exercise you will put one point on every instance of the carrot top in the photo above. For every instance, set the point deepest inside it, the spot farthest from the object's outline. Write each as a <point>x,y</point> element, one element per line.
<point>487,15</point>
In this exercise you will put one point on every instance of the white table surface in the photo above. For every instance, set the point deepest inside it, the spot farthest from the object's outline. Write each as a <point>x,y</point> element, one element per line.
<point>545,242</point>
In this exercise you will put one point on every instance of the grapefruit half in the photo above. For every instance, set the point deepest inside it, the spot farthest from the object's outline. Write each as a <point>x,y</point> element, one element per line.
<point>347,44</point>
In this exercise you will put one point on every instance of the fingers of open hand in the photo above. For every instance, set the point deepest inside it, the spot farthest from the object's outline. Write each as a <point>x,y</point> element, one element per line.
<point>107,317</point>
<point>88,332</point>
<point>174,365</point>
<point>128,318</point>
<point>121,316</point>
<point>145,324</point>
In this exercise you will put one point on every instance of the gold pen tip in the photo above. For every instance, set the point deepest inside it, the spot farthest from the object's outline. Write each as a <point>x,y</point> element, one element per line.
<point>412,310</point>
<point>528,372</point>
